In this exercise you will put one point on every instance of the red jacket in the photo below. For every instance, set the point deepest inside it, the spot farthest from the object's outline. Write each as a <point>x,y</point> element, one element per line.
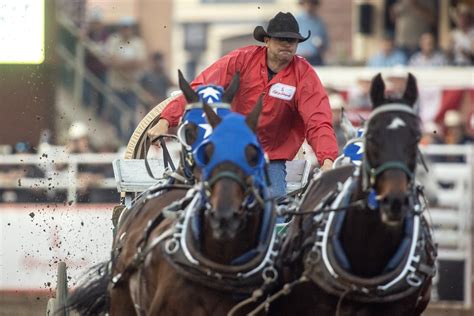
<point>295,104</point>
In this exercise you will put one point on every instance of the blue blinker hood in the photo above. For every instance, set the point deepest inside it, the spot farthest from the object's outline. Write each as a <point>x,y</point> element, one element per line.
<point>230,138</point>
<point>212,95</point>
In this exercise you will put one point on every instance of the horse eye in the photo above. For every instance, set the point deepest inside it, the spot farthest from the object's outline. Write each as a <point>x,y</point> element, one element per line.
<point>208,151</point>
<point>252,155</point>
<point>190,133</point>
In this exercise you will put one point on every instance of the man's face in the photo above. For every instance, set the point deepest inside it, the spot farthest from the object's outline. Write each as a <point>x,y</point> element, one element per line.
<point>79,145</point>
<point>386,46</point>
<point>281,49</point>
<point>126,31</point>
<point>427,43</point>
<point>310,7</point>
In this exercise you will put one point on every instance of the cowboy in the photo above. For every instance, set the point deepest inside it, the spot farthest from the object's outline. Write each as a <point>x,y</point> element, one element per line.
<point>295,104</point>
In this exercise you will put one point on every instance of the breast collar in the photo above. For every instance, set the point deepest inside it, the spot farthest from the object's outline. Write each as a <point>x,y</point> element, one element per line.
<point>248,272</point>
<point>325,267</point>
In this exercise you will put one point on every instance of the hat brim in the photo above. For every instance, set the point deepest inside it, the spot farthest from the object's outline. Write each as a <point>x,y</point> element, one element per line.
<point>259,34</point>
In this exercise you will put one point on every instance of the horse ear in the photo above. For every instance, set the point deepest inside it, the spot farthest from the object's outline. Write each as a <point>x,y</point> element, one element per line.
<point>212,117</point>
<point>252,118</point>
<point>232,88</point>
<point>190,95</point>
<point>377,91</point>
<point>411,91</point>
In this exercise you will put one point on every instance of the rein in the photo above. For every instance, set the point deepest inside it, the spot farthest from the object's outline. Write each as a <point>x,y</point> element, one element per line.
<point>374,172</point>
<point>228,175</point>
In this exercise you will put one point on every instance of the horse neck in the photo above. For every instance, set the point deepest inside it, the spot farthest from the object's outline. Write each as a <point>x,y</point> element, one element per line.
<point>224,252</point>
<point>368,243</point>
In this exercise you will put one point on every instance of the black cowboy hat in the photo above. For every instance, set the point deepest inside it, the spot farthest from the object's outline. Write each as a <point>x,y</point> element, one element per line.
<point>282,25</point>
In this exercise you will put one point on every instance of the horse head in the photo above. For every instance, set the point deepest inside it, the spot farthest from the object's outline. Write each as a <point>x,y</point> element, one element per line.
<point>391,148</point>
<point>194,127</point>
<point>232,163</point>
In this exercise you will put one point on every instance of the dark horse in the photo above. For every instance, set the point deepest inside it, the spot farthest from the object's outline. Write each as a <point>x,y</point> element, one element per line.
<point>216,247</point>
<point>360,245</point>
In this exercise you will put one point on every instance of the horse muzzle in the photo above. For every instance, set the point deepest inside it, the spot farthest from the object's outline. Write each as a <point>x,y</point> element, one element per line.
<point>224,227</point>
<point>393,208</point>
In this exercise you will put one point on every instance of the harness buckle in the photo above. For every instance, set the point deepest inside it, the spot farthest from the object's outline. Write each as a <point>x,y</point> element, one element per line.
<point>413,280</point>
<point>269,275</point>
<point>171,246</point>
<point>314,256</point>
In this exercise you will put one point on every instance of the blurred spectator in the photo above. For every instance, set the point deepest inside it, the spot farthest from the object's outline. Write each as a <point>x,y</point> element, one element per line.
<point>431,134</point>
<point>428,55</point>
<point>359,98</point>
<point>127,57</point>
<point>78,139</point>
<point>337,107</point>
<point>309,20</point>
<point>155,81</point>
<point>462,37</point>
<point>396,80</point>
<point>75,10</point>
<point>389,55</point>
<point>89,176</point>
<point>455,133</point>
<point>97,34</point>
<point>412,18</point>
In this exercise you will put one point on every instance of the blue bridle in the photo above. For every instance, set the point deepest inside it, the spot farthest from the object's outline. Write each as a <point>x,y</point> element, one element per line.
<point>194,113</point>
<point>230,139</point>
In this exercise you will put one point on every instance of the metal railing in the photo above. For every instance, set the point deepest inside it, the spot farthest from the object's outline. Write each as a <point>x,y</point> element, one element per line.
<point>54,177</point>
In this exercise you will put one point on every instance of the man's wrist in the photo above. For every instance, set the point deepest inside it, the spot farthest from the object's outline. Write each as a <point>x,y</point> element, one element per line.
<point>164,121</point>
<point>328,161</point>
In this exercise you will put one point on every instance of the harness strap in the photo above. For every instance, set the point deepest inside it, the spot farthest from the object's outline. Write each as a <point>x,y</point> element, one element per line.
<point>374,172</point>
<point>230,175</point>
<point>166,155</point>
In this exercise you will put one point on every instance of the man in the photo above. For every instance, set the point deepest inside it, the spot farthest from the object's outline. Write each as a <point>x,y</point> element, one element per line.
<point>389,55</point>
<point>295,103</point>
<point>97,35</point>
<point>337,108</point>
<point>309,20</point>
<point>412,18</point>
<point>126,60</point>
<point>428,56</point>
<point>155,81</point>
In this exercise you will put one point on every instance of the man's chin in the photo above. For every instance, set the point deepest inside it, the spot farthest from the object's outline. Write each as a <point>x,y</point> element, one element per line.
<point>285,56</point>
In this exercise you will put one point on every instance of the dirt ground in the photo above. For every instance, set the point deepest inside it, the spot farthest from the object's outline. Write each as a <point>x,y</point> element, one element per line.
<point>14,305</point>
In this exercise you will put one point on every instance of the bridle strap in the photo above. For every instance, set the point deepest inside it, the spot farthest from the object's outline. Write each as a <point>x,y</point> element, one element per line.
<point>374,172</point>
<point>229,175</point>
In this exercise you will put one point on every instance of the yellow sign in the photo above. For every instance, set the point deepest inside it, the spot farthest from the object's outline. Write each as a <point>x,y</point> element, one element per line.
<point>21,31</point>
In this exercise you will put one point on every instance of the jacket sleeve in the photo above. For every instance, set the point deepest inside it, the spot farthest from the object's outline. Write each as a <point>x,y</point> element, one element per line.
<point>219,73</point>
<point>313,106</point>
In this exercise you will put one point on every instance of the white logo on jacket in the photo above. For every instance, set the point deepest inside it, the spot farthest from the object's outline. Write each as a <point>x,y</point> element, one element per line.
<point>282,91</point>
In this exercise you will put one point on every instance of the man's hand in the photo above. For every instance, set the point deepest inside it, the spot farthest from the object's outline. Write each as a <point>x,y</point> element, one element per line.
<point>159,129</point>
<point>327,165</point>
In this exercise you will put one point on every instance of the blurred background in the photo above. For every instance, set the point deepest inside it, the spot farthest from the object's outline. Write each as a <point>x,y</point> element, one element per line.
<point>77,76</point>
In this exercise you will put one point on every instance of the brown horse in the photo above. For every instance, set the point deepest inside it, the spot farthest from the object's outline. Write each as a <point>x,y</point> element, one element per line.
<point>360,245</point>
<point>215,248</point>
